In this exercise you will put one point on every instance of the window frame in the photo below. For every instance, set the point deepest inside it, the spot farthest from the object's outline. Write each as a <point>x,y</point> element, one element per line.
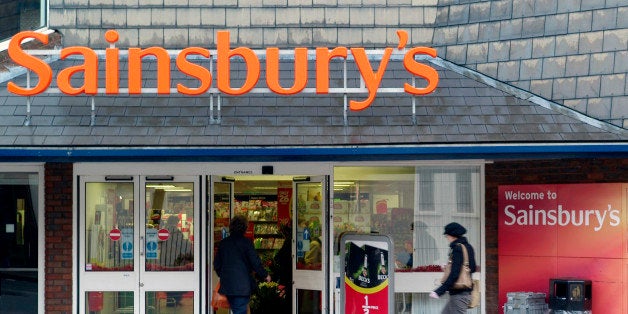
<point>45,7</point>
<point>416,282</point>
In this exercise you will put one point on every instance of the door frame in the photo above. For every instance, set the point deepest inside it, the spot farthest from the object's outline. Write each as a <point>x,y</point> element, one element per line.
<point>206,170</point>
<point>307,279</point>
<point>125,281</point>
<point>139,280</point>
<point>211,277</point>
<point>39,169</point>
<point>149,280</point>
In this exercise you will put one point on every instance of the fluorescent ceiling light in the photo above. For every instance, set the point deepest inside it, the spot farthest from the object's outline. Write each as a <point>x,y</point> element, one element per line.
<point>160,186</point>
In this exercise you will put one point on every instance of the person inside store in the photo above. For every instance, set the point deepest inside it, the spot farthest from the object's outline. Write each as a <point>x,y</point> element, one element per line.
<point>175,251</point>
<point>404,259</point>
<point>313,257</point>
<point>235,260</point>
<point>310,299</point>
<point>459,299</point>
<point>282,266</point>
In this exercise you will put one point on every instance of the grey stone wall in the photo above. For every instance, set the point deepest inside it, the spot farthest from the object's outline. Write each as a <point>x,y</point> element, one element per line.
<point>254,23</point>
<point>573,52</point>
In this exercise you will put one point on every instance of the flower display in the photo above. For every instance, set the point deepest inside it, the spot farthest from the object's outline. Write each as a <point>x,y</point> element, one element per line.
<point>267,297</point>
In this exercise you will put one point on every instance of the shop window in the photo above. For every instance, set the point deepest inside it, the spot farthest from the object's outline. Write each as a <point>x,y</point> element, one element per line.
<point>109,209</point>
<point>19,258</point>
<point>411,204</point>
<point>464,191</point>
<point>426,190</point>
<point>377,199</point>
<point>21,15</point>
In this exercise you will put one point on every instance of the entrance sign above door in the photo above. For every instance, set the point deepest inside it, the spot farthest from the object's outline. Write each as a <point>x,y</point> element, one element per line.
<point>370,80</point>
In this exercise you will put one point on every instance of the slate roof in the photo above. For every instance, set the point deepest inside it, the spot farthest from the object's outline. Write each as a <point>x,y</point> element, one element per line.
<point>465,109</point>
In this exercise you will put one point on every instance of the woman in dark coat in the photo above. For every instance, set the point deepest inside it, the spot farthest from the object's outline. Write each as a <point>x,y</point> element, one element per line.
<point>282,267</point>
<point>459,299</point>
<point>235,260</point>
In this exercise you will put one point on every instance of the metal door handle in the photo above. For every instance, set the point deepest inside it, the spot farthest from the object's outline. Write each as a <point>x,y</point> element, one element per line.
<point>142,245</point>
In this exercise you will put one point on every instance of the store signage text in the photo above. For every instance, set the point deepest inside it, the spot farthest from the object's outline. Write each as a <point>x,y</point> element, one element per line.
<point>562,217</point>
<point>557,215</point>
<point>224,53</point>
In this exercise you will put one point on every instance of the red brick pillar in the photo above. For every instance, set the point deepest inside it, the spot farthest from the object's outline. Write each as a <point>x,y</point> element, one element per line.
<point>59,231</point>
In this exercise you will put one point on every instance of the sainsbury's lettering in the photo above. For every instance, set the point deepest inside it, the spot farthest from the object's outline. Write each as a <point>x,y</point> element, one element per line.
<point>224,55</point>
<point>562,217</point>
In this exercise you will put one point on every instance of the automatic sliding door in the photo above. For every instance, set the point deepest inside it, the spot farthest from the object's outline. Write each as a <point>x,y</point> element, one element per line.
<point>137,245</point>
<point>169,276</point>
<point>107,241</point>
<point>220,210</point>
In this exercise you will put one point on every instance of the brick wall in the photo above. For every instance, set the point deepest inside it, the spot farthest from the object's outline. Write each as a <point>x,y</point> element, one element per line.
<point>59,230</point>
<point>558,171</point>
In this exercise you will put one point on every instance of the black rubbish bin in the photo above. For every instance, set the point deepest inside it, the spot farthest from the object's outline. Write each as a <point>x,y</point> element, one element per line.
<point>570,294</point>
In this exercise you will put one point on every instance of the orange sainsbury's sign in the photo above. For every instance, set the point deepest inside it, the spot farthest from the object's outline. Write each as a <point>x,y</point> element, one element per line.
<point>224,53</point>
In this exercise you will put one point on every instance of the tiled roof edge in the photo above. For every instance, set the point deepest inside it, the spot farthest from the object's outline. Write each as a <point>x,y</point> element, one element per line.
<point>526,95</point>
<point>472,74</point>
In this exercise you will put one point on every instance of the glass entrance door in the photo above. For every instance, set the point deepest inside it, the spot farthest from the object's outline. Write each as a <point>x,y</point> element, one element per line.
<point>220,212</point>
<point>311,263</point>
<point>137,245</point>
<point>274,205</point>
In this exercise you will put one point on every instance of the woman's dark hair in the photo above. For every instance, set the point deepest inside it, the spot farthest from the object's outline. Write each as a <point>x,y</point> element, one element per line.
<point>238,225</point>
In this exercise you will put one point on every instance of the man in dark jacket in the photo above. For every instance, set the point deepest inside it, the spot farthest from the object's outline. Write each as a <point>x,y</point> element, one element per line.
<point>235,260</point>
<point>459,299</point>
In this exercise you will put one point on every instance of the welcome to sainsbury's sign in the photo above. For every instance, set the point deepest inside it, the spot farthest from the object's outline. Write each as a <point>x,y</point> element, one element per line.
<point>562,231</point>
<point>223,55</point>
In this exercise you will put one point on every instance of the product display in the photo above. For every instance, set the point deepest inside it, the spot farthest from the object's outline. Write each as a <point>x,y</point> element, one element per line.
<point>259,202</point>
<point>261,210</point>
